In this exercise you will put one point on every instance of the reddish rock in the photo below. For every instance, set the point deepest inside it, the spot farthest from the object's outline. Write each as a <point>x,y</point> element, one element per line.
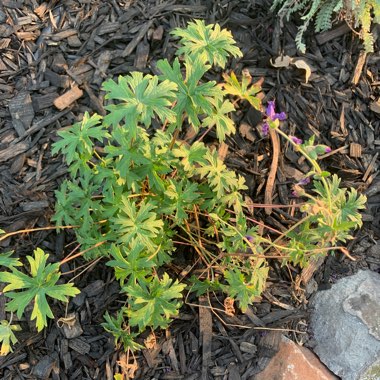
<point>293,362</point>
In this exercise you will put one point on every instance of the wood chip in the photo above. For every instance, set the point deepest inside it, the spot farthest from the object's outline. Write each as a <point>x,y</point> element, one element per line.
<point>68,98</point>
<point>64,34</point>
<point>331,34</point>
<point>57,80</point>
<point>158,33</point>
<point>80,346</point>
<point>205,331</point>
<point>370,167</point>
<point>355,150</point>
<point>375,106</point>
<point>132,45</point>
<point>359,67</point>
<point>22,112</point>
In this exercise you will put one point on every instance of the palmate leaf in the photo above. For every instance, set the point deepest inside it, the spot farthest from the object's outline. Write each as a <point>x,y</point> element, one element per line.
<point>244,289</point>
<point>130,263</point>
<point>209,43</point>
<point>7,261</point>
<point>142,97</point>
<point>179,197</point>
<point>192,156</point>
<point>7,337</point>
<point>193,98</point>
<point>220,179</point>
<point>242,90</point>
<point>154,304</point>
<point>78,139</point>
<point>348,205</point>
<point>126,155</point>
<point>42,283</point>
<point>219,118</point>
<point>137,222</point>
<point>116,327</point>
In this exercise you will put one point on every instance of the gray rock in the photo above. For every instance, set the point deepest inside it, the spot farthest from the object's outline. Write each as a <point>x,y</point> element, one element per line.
<point>345,321</point>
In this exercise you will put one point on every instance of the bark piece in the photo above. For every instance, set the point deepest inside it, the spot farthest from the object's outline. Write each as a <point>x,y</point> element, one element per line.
<point>57,80</point>
<point>22,112</point>
<point>68,98</point>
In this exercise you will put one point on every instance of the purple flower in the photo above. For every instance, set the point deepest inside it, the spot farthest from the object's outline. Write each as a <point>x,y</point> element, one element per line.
<point>265,129</point>
<point>304,181</point>
<point>328,149</point>
<point>249,238</point>
<point>298,191</point>
<point>271,113</point>
<point>296,140</point>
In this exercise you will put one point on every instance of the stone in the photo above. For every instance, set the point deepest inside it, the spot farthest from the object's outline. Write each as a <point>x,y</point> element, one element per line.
<point>294,362</point>
<point>345,322</point>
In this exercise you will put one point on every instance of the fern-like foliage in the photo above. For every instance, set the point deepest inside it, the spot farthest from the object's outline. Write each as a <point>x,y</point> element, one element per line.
<point>360,13</point>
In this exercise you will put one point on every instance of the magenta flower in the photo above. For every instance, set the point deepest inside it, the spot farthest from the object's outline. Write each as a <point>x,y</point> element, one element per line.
<point>271,116</point>
<point>265,129</point>
<point>328,149</point>
<point>298,191</point>
<point>249,238</point>
<point>296,140</point>
<point>271,113</point>
<point>304,181</point>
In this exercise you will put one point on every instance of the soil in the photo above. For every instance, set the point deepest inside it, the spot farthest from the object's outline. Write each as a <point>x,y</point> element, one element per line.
<point>54,57</point>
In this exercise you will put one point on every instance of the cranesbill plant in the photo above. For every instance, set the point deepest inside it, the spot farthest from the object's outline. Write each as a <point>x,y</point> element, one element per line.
<point>141,198</point>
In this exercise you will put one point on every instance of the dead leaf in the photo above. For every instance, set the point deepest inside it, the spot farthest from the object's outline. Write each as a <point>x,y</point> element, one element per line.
<point>70,320</point>
<point>282,61</point>
<point>150,341</point>
<point>128,369</point>
<point>222,151</point>
<point>246,131</point>
<point>301,64</point>
<point>249,204</point>
<point>286,61</point>
<point>229,306</point>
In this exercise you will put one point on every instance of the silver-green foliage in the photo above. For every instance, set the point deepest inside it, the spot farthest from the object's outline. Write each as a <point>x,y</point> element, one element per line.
<point>358,13</point>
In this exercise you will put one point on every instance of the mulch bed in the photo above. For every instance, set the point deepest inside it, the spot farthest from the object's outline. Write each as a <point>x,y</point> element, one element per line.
<point>54,57</point>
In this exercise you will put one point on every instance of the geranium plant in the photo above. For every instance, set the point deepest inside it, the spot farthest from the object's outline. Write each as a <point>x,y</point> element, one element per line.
<point>142,198</point>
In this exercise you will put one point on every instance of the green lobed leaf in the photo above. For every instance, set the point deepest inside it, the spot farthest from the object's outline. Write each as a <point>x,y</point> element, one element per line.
<point>220,119</point>
<point>132,263</point>
<point>36,287</point>
<point>209,43</point>
<point>137,222</point>
<point>142,98</point>
<point>7,261</point>
<point>154,304</point>
<point>117,327</point>
<point>78,139</point>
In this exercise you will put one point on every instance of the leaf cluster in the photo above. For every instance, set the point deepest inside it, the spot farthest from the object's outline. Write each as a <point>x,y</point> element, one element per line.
<point>148,196</point>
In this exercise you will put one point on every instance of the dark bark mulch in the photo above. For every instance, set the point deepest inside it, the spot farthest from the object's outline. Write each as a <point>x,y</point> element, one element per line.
<point>54,57</point>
